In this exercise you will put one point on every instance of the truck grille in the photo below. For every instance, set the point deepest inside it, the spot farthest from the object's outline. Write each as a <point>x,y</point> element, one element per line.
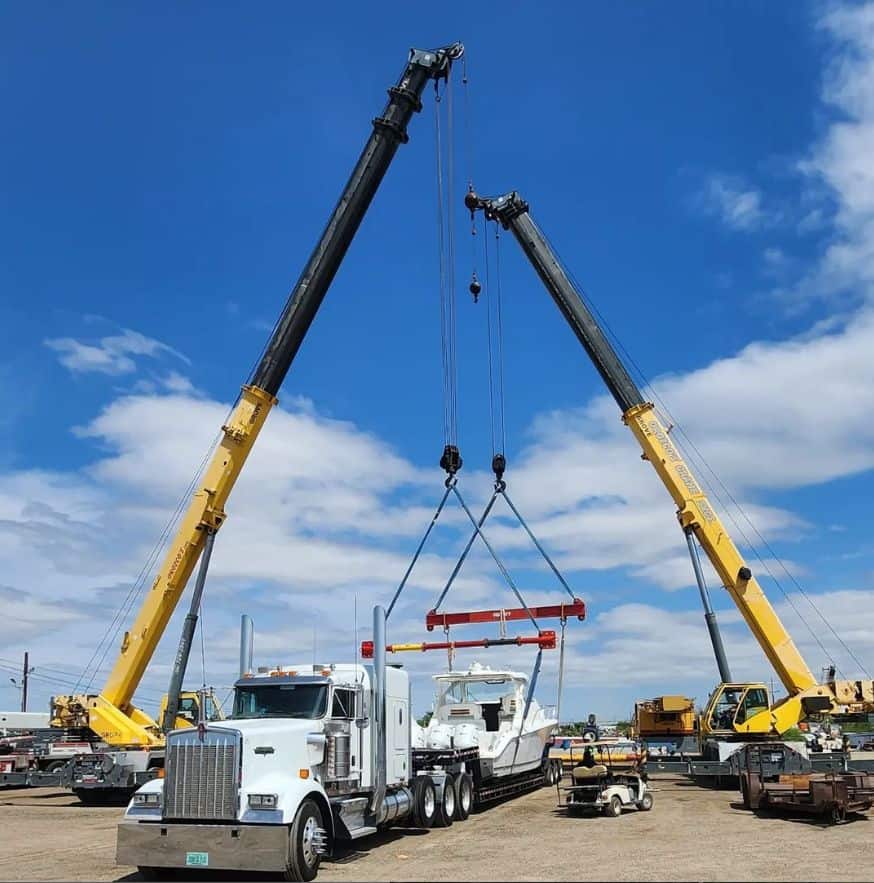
<point>201,772</point>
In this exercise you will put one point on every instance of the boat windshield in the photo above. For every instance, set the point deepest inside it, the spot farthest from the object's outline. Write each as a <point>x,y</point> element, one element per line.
<point>307,701</point>
<point>491,690</point>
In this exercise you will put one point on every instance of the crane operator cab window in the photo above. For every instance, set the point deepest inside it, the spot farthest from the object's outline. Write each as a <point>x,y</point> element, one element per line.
<point>722,717</point>
<point>755,700</point>
<point>188,709</point>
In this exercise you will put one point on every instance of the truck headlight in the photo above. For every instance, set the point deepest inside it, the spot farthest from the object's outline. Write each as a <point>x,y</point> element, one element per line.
<point>262,801</point>
<point>150,798</point>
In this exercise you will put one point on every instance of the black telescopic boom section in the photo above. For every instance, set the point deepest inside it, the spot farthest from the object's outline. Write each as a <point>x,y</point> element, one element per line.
<point>511,211</point>
<point>389,130</point>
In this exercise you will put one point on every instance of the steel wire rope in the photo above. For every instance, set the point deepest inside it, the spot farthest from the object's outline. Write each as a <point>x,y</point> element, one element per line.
<point>500,338</point>
<point>450,230</point>
<point>441,253</point>
<point>489,299</point>
<point>699,459</point>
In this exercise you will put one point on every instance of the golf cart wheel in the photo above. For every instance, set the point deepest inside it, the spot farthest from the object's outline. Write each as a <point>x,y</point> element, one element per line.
<point>645,804</point>
<point>614,808</point>
<point>445,814</point>
<point>463,796</point>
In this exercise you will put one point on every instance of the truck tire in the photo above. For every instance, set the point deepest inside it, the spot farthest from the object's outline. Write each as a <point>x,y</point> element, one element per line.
<point>424,802</point>
<point>54,766</point>
<point>303,857</point>
<point>463,796</point>
<point>445,814</point>
<point>614,808</point>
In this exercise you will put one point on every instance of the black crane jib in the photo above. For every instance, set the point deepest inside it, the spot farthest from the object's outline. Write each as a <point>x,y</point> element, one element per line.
<point>511,211</point>
<point>389,130</point>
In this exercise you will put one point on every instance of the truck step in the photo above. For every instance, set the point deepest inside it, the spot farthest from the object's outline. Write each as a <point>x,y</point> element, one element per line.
<point>364,831</point>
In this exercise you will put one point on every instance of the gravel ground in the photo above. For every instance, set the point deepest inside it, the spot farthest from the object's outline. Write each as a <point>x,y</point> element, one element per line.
<point>691,834</point>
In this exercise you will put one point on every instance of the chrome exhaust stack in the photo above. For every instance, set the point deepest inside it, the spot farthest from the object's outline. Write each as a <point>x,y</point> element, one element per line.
<point>377,733</point>
<point>247,644</point>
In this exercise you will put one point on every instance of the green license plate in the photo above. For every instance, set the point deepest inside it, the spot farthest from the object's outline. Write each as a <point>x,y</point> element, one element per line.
<point>197,859</point>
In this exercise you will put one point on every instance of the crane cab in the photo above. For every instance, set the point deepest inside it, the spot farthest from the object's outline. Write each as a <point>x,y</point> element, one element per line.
<point>737,709</point>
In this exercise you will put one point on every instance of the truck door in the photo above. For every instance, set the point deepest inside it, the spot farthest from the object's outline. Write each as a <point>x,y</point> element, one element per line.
<point>398,736</point>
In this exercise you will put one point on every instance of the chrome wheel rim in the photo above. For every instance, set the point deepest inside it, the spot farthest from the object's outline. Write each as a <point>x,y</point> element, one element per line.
<point>449,802</point>
<point>465,796</point>
<point>428,803</point>
<point>309,831</point>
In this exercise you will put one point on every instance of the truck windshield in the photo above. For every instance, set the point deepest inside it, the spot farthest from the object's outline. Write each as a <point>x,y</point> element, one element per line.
<point>281,700</point>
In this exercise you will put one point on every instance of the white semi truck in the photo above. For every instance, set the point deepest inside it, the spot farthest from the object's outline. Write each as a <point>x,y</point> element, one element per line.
<point>311,755</point>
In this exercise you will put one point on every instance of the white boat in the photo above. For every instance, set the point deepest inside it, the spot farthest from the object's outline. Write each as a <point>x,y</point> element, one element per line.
<point>483,708</point>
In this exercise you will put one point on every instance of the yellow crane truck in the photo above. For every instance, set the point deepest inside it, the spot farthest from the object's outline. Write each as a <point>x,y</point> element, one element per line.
<point>735,711</point>
<point>133,740</point>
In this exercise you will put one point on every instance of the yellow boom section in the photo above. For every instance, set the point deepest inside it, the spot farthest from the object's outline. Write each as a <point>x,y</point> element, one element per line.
<point>111,714</point>
<point>694,510</point>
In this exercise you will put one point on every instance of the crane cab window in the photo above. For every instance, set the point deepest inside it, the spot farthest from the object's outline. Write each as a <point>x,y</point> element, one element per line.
<point>726,708</point>
<point>756,700</point>
<point>343,704</point>
<point>188,709</point>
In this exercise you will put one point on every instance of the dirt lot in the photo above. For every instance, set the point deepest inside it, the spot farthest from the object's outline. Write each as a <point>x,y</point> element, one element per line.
<point>691,834</point>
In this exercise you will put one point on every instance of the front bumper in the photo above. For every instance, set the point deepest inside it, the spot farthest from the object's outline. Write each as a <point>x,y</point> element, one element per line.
<point>234,847</point>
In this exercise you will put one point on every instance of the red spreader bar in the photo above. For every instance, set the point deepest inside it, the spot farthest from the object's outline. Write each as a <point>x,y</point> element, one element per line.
<point>545,640</point>
<point>555,611</point>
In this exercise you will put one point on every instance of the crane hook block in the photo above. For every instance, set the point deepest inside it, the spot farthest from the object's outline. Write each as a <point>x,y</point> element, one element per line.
<point>475,288</point>
<point>451,460</point>
<point>499,465</point>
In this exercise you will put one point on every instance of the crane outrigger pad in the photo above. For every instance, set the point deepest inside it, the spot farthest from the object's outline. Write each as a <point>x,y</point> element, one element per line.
<point>545,640</point>
<point>551,611</point>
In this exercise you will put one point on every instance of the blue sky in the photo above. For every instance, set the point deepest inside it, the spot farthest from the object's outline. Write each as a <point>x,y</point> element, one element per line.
<point>166,173</point>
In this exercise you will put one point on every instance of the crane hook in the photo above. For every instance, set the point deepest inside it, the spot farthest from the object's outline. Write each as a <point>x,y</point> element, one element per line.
<point>475,287</point>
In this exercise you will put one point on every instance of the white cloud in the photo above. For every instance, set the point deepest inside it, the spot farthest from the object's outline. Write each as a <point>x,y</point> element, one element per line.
<point>840,163</point>
<point>112,355</point>
<point>735,203</point>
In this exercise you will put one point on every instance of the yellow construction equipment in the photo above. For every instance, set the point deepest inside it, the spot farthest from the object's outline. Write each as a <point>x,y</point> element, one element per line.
<point>733,709</point>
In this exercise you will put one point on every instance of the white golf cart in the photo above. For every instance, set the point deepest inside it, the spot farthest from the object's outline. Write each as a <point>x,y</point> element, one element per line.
<point>600,784</point>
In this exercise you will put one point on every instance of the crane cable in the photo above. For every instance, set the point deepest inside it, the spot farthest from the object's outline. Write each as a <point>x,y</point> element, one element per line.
<point>450,461</point>
<point>700,459</point>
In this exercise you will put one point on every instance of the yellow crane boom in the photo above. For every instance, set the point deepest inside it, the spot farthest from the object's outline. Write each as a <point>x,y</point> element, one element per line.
<point>111,714</point>
<point>694,511</point>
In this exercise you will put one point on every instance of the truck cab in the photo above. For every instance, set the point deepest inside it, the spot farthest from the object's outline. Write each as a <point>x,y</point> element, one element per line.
<point>288,772</point>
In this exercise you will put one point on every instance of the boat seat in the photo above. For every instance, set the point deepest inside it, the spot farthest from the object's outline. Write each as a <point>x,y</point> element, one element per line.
<point>589,773</point>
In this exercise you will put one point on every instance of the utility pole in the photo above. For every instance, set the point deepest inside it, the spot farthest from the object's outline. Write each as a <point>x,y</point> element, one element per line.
<point>25,672</point>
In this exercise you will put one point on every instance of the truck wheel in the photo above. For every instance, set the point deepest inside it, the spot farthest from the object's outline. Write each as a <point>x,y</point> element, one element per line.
<point>445,814</point>
<point>54,766</point>
<point>745,793</point>
<point>614,808</point>
<point>646,802</point>
<point>303,853</point>
<point>463,796</point>
<point>424,802</point>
